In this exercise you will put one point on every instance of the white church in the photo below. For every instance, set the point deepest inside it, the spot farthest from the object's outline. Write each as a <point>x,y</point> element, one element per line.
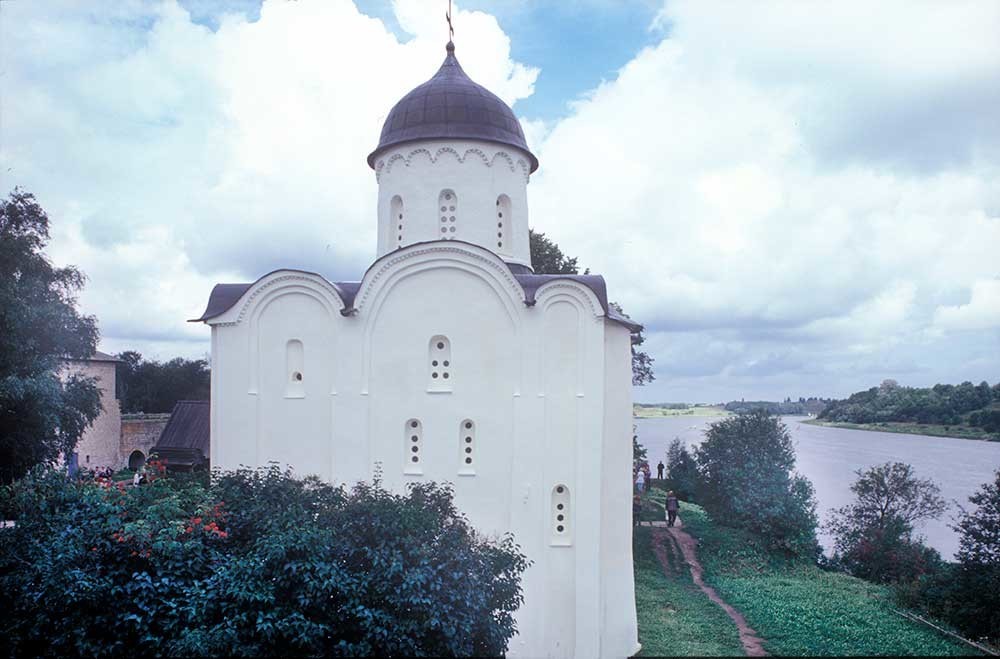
<point>451,361</point>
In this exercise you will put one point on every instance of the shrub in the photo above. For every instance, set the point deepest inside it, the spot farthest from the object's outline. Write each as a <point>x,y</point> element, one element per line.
<point>873,536</point>
<point>747,481</point>
<point>682,470</point>
<point>255,563</point>
<point>967,594</point>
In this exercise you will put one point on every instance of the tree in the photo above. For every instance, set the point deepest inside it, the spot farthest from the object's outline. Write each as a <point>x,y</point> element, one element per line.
<point>873,536</point>
<point>746,464</point>
<point>41,415</point>
<point>682,470</point>
<point>151,386</point>
<point>978,576</point>
<point>548,259</point>
<point>638,450</point>
<point>253,563</point>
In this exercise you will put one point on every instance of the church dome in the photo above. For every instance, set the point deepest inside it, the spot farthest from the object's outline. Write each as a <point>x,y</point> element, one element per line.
<point>451,106</point>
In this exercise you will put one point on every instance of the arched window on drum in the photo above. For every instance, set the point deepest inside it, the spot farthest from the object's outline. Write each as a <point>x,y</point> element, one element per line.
<point>396,220</point>
<point>448,213</point>
<point>503,224</point>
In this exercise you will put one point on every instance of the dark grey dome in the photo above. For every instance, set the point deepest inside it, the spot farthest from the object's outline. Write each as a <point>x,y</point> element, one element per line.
<point>451,106</point>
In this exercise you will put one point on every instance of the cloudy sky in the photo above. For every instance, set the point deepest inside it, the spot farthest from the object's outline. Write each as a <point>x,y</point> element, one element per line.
<point>795,198</point>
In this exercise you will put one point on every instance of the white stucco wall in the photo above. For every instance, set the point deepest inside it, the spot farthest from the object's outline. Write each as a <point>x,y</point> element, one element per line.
<point>484,180</point>
<point>546,389</point>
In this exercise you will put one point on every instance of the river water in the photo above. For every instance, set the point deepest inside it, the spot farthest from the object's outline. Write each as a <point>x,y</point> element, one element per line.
<point>829,457</point>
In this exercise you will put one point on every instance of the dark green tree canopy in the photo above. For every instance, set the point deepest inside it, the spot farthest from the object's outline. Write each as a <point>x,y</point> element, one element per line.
<point>873,536</point>
<point>151,386</point>
<point>40,327</point>
<point>548,259</point>
<point>251,564</point>
<point>746,479</point>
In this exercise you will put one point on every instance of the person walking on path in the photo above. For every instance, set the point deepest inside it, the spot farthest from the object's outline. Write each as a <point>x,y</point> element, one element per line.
<point>672,506</point>
<point>640,481</point>
<point>659,470</point>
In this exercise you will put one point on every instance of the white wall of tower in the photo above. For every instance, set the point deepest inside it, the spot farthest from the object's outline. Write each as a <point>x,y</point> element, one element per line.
<point>481,187</point>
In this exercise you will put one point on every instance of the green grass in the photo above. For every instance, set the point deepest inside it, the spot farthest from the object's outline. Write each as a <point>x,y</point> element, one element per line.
<point>657,412</point>
<point>675,618</point>
<point>799,609</point>
<point>932,430</point>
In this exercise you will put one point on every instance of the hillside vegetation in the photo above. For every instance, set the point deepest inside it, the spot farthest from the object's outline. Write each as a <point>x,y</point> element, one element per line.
<point>964,410</point>
<point>797,608</point>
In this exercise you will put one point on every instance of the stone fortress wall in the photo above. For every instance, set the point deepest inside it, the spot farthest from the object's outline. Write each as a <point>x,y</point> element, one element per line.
<point>139,433</point>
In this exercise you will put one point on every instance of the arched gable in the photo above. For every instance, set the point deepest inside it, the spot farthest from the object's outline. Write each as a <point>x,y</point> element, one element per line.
<point>268,290</point>
<point>390,271</point>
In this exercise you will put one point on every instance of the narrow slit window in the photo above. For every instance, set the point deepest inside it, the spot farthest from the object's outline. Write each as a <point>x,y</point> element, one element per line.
<point>562,530</point>
<point>295,365</point>
<point>503,223</point>
<point>448,213</point>
<point>396,219</point>
<point>413,438</point>
<point>440,374</point>
<point>467,448</point>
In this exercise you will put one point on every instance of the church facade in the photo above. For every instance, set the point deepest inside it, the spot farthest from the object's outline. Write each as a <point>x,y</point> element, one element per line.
<point>450,360</point>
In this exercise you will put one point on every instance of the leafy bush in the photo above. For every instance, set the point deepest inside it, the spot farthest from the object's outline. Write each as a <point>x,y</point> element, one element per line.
<point>255,563</point>
<point>682,470</point>
<point>747,481</point>
<point>967,594</point>
<point>874,534</point>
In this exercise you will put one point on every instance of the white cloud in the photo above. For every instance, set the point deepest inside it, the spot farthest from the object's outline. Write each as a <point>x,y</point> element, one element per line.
<point>795,199</point>
<point>982,312</point>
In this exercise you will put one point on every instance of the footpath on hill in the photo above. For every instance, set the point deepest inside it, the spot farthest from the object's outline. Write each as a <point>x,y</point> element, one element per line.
<point>709,590</point>
<point>753,645</point>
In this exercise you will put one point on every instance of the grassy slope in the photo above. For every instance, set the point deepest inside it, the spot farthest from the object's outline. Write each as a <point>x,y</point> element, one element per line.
<point>675,618</point>
<point>961,432</point>
<point>802,610</point>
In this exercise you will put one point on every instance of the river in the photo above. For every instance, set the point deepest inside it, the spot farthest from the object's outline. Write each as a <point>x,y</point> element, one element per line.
<point>829,457</point>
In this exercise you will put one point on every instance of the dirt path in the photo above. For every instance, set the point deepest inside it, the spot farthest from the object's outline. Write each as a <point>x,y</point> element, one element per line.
<point>752,644</point>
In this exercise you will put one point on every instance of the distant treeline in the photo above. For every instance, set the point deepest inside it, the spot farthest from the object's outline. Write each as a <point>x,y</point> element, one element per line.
<point>666,406</point>
<point>787,406</point>
<point>976,405</point>
<point>150,386</point>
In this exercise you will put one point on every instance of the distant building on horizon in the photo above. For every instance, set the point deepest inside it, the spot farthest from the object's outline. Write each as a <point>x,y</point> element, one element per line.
<point>450,360</point>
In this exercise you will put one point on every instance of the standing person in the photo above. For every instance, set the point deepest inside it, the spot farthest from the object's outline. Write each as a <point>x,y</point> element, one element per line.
<point>659,470</point>
<point>672,506</point>
<point>640,481</point>
<point>136,477</point>
<point>636,509</point>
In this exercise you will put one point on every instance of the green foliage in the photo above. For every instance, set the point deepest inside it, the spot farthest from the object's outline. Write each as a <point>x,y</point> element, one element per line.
<point>747,480</point>
<point>946,404</point>
<point>675,618</point>
<point>40,416</point>
<point>800,609</point>
<point>682,470</point>
<point>548,259</point>
<point>638,450</point>
<point>874,534</point>
<point>151,386</point>
<point>255,563</point>
<point>967,594</point>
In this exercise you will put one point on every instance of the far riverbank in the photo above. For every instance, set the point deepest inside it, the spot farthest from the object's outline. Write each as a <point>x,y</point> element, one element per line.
<point>929,430</point>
